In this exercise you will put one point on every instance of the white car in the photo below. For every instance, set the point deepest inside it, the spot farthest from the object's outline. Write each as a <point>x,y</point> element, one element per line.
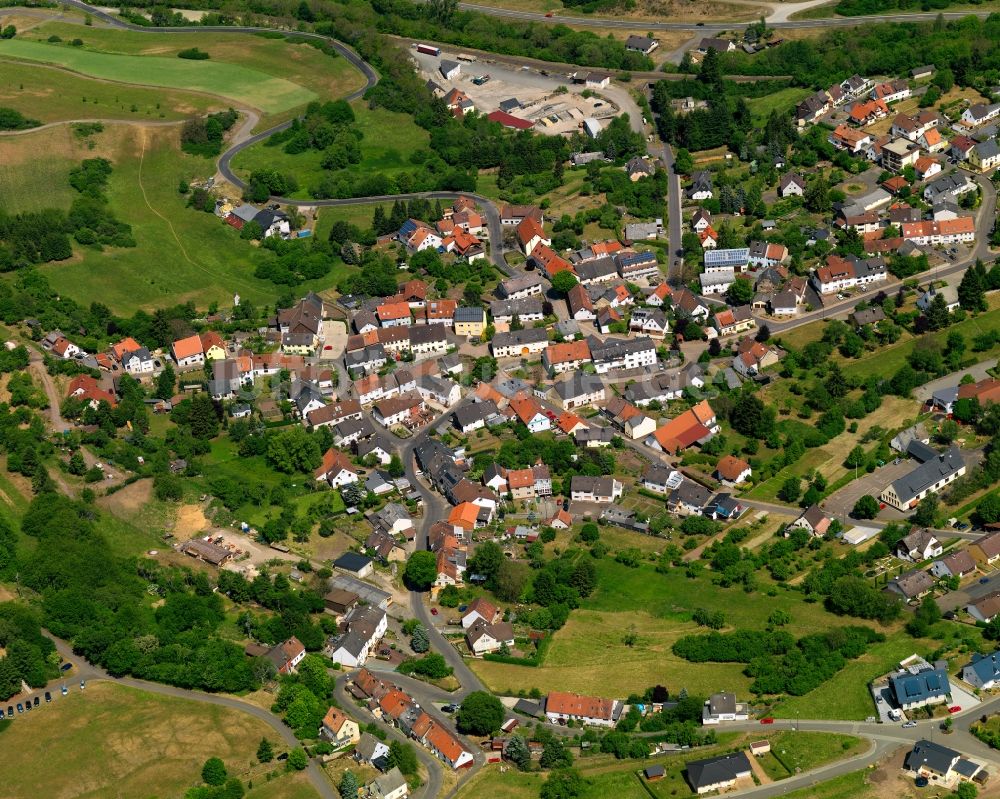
<point>909,724</point>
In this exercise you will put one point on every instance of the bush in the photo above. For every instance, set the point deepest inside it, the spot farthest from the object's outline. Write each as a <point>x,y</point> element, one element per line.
<point>194,54</point>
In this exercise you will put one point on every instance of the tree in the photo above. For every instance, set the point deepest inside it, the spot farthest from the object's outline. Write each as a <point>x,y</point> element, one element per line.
<point>763,334</point>
<point>77,465</point>
<point>420,641</point>
<point>265,752</point>
<point>203,419</point>
<point>966,790</point>
<point>297,759</point>
<point>971,290</point>
<point>421,571</point>
<point>348,787</point>
<point>555,755</point>
<point>988,509</point>
<point>790,489</point>
<point>855,458</point>
<point>165,382</point>
<point>402,756</point>
<point>740,292</point>
<point>865,508</point>
<point>214,771</point>
<point>480,714</point>
<point>563,281</point>
<point>926,511</point>
<point>565,783</point>
<point>751,418</point>
<point>486,561</point>
<point>396,466</point>
<point>517,752</point>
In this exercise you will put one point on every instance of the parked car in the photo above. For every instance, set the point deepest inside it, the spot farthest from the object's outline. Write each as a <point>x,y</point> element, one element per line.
<point>954,708</point>
<point>767,720</point>
<point>10,711</point>
<point>35,702</point>
<point>449,708</point>
<point>20,708</point>
<point>82,685</point>
<point>983,580</point>
<point>66,666</point>
<point>434,611</point>
<point>65,690</point>
<point>48,696</point>
<point>909,724</point>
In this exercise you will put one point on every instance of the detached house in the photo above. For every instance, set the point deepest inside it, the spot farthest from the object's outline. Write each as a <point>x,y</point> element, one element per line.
<point>731,470</point>
<point>336,469</point>
<point>595,489</point>
<point>955,564</point>
<point>918,546</point>
<point>813,521</point>
<point>983,672</point>
<point>188,352</point>
<point>530,235</point>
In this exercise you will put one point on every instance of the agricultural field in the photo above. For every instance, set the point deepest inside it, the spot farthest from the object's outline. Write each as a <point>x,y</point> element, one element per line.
<point>115,741</point>
<point>389,139</point>
<point>240,84</point>
<point>51,94</point>
<point>197,257</point>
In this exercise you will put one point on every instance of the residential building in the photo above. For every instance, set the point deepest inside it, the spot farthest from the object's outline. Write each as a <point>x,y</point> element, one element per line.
<point>918,546</point>
<point>718,773</point>
<point>188,352</point>
<point>986,608</point>
<point>339,728</point>
<point>979,114</point>
<point>371,751</point>
<point>562,706</point>
<point>688,498</point>
<point>529,412</point>
<point>470,321</point>
<point>519,288</point>
<point>579,389</point>
<point>519,343</point>
<point>694,425</point>
<point>918,687</point>
<point>911,585</point>
<point>701,186</point>
<point>731,321</point>
<point>986,549</point>
<point>939,763</point>
<point>365,627</point>
<point>483,638</point>
<point>286,655</point>
<point>398,409</point>
<point>335,469</point>
<point>571,355</point>
<point>613,353</point>
<point>723,707</point>
<point>595,489</point>
<point>955,564</point>
<point>530,234</point>
<point>732,471</point>
<point>813,521</point>
<point>985,155</point>
<point>791,185</point>
<point>391,785</point>
<point>528,309</point>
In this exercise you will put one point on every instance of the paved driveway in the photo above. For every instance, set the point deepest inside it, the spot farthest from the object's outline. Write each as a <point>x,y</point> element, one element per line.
<point>972,592</point>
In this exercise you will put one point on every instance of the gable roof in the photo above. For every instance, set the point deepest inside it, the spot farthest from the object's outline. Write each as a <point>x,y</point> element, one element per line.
<point>570,704</point>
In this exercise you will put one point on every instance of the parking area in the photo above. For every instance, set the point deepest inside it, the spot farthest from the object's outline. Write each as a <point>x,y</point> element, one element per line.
<point>840,504</point>
<point>333,338</point>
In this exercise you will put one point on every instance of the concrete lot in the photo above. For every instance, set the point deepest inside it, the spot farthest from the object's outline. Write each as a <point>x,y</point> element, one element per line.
<point>564,111</point>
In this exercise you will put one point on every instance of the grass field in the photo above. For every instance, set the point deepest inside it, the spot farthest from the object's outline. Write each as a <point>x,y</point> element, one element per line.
<point>389,141</point>
<point>886,361</point>
<point>796,751</point>
<point>52,95</point>
<point>181,254</point>
<point>238,83</point>
<point>829,459</point>
<point>360,215</point>
<point>112,741</point>
<point>849,786</point>
<point>782,100</point>
<point>659,608</point>
<point>325,76</point>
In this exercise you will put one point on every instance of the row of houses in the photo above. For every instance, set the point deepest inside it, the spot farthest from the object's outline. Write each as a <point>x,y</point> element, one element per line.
<point>395,706</point>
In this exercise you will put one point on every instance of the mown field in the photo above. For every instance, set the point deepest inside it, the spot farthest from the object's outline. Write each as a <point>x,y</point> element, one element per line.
<point>181,254</point>
<point>50,94</point>
<point>115,742</point>
<point>295,61</point>
<point>389,139</point>
<point>239,83</point>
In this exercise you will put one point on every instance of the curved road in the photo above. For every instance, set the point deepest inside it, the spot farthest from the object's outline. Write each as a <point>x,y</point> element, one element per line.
<point>88,671</point>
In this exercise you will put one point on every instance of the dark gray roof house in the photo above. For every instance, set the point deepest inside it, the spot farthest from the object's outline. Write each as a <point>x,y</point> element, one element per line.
<point>714,773</point>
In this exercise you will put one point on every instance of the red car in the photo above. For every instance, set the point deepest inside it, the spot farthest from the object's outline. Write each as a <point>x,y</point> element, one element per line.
<point>954,709</point>
<point>434,611</point>
<point>767,720</point>
<point>550,14</point>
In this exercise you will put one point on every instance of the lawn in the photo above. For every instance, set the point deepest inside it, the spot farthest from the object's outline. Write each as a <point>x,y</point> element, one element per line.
<point>181,254</point>
<point>360,215</point>
<point>324,75</point>
<point>112,741</point>
<point>238,83</point>
<point>389,139</point>
<point>51,94</point>
<point>792,752</point>
<point>658,607</point>
<point>783,100</point>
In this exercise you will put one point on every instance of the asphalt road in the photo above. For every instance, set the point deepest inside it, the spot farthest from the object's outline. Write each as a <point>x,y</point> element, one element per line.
<point>709,28</point>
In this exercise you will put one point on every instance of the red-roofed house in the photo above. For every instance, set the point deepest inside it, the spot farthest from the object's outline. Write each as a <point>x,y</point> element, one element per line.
<point>87,389</point>
<point>682,431</point>
<point>530,235</point>
<point>336,469</point>
<point>509,121</point>
<point>731,470</point>
<point>188,351</point>
<point>562,706</point>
